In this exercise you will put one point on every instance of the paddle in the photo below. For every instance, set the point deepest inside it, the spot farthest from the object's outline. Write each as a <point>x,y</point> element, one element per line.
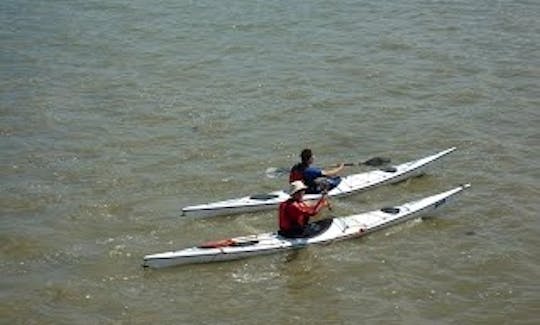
<point>274,172</point>
<point>325,197</point>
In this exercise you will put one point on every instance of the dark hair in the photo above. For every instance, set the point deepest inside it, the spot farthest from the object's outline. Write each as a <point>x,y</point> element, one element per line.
<point>306,155</point>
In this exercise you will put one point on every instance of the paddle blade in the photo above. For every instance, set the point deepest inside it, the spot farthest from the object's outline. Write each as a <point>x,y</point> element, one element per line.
<point>376,161</point>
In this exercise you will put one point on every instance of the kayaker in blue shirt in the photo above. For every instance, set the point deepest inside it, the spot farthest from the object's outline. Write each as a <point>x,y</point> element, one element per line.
<point>316,179</point>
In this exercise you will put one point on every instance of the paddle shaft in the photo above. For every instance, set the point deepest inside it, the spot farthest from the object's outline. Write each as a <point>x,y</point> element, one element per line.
<point>374,162</point>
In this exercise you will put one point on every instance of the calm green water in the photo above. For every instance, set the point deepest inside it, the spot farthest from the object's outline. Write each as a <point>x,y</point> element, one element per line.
<point>116,114</point>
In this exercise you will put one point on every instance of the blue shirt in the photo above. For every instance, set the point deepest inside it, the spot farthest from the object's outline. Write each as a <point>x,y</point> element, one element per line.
<point>312,173</point>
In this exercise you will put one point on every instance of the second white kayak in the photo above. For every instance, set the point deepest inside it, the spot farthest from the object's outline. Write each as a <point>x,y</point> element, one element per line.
<point>349,184</point>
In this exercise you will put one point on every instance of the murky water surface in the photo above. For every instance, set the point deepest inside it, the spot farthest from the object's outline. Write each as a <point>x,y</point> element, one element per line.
<point>116,114</point>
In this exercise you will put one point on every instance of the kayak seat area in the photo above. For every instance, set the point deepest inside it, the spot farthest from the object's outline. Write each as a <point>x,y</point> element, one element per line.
<point>313,229</point>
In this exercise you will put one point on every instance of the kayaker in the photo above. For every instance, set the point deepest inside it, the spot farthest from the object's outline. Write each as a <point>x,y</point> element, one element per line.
<point>294,213</point>
<point>316,179</point>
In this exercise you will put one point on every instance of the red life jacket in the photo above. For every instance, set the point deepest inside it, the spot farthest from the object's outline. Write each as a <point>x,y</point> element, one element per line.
<point>297,173</point>
<point>295,215</point>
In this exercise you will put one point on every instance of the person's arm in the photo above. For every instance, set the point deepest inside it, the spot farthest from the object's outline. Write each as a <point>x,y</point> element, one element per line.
<point>304,211</point>
<point>333,171</point>
<point>313,209</point>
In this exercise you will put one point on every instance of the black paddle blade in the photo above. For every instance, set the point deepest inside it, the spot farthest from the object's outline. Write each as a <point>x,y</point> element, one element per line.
<point>376,161</point>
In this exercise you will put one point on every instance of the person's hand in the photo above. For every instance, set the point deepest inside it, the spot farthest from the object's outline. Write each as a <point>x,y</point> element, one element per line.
<point>326,202</point>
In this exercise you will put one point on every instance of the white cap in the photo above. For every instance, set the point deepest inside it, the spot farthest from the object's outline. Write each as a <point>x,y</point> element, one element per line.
<point>297,186</point>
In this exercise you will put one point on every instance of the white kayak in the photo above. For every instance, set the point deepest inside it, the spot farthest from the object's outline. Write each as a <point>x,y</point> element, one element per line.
<point>349,184</point>
<point>327,230</point>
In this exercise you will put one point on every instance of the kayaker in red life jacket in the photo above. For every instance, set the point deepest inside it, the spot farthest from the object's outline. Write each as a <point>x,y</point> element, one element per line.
<point>294,213</point>
<point>311,175</point>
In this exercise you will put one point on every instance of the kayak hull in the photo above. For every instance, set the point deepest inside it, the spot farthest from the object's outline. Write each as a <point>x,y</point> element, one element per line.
<point>270,243</point>
<point>350,184</point>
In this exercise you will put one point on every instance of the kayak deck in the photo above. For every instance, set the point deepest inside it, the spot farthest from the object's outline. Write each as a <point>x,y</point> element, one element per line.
<point>349,184</point>
<point>268,243</point>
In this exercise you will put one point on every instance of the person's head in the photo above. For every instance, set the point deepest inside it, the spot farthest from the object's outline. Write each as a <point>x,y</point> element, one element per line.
<point>306,156</point>
<point>297,190</point>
